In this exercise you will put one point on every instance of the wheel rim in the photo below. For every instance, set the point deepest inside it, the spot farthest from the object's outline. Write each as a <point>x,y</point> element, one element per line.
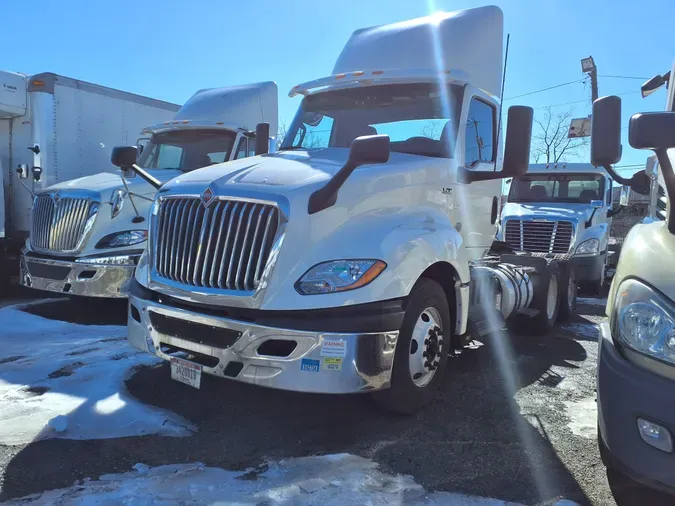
<point>552,297</point>
<point>426,346</point>
<point>571,292</point>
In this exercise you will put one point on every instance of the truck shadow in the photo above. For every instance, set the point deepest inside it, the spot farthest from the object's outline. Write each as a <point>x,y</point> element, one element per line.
<point>472,439</point>
<point>81,310</point>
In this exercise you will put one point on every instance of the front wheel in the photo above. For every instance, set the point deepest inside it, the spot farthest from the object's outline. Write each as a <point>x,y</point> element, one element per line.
<point>421,352</point>
<point>568,295</point>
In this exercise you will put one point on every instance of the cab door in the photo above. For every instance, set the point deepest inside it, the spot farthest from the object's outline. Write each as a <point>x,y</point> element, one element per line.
<point>475,206</point>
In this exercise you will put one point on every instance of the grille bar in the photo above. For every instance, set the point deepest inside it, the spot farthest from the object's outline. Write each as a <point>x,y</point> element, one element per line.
<point>60,224</point>
<point>539,236</point>
<point>225,245</point>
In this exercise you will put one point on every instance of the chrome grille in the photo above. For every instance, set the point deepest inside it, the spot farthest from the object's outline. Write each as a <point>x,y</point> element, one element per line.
<point>60,224</point>
<point>661,203</point>
<point>539,236</point>
<point>224,245</point>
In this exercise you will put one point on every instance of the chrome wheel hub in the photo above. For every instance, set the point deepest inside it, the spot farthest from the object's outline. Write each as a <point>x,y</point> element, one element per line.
<point>426,347</point>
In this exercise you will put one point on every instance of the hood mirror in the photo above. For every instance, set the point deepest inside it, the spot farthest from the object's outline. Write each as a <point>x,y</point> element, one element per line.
<point>596,204</point>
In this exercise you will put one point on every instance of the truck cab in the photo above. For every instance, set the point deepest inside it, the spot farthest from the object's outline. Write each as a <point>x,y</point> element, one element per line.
<point>87,234</point>
<point>563,209</point>
<point>357,257</point>
<point>636,356</point>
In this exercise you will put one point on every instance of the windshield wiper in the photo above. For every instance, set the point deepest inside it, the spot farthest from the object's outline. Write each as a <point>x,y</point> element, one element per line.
<point>292,148</point>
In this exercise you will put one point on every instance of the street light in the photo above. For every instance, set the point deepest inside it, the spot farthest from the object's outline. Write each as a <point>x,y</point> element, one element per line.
<point>587,65</point>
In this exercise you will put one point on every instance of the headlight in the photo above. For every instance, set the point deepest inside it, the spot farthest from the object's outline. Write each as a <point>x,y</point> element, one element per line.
<point>644,321</point>
<point>113,260</point>
<point>338,276</point>
<point>589,247</point>
<point>117,202</point>
<point>119,239</point>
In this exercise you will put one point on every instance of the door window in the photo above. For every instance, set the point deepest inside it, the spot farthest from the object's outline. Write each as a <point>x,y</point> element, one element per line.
<point>479,144</point>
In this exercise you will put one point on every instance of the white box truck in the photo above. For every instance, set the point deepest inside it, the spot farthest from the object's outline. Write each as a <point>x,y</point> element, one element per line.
<point>54,129</point>
<point>359,255</point>
<point>88,233</point>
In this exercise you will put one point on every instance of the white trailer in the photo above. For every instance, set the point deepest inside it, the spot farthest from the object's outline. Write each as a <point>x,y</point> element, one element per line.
<point>361,254</point>
<point>88,233</point>
<point>54,129</point>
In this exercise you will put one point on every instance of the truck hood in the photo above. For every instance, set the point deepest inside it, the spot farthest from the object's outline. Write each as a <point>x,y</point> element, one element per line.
<point>299,173</point>
<point>280,172</point>
<point>104,183</point>
<point>548,210</point>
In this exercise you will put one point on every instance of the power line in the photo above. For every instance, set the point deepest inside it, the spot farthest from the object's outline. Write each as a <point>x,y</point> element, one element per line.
<point>545,89</point>
<point>584,100</point>
<point>624,77</point>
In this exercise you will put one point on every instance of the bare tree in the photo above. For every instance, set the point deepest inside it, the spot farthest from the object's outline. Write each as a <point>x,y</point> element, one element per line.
<point>281,134</point>
<point>431,129</point>
<point>550,143</point>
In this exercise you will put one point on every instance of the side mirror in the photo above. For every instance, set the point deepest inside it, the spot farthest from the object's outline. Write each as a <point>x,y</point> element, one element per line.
<point>606,131</point>
<point>124,156</point>
<point>652,130</point>
<point>262,134</point>
<point>596,204</point>
<point>37,173</point>
<point>640,183</point>
<point>516,147</point>
<point>369,149</point>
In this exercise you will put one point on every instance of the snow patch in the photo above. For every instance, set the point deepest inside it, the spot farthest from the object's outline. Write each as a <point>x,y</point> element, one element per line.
<point>583,415</point>
<point>63,380</point>
<point>325,480</point>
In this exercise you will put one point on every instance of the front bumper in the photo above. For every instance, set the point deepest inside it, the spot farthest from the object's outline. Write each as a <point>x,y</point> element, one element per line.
<point>74,278</point>
<point>250,352</point>
<point>626,392</point>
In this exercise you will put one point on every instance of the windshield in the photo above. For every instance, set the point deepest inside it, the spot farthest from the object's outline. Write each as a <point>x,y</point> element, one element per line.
<point>187,150</point>
<point>413,115</point>
<point>580,188</point>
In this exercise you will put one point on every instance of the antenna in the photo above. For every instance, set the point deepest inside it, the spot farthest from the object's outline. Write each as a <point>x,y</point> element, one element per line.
<point>501,99</point>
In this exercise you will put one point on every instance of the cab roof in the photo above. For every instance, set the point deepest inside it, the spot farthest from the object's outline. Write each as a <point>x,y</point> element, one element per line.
<point>464,45</point>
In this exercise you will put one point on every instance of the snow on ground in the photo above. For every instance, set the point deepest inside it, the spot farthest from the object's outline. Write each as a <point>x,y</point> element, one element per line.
<point>583,415</point>
<point>325,480</point>
<point>590,301</point>
<point>589,330</point>
<point>60,379</point>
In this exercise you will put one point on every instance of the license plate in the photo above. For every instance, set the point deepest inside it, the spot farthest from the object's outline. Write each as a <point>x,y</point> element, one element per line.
<point>186,372</point>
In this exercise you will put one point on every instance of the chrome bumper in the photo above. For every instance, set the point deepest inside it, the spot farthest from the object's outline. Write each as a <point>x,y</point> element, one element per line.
<point>366,363</point>
<point>75,278</point>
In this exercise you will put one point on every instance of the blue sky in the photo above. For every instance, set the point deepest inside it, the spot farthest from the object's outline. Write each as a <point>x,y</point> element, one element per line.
<point>168,49</point>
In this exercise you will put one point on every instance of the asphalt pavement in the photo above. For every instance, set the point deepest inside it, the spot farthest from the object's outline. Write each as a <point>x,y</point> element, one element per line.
<point>514,421</point>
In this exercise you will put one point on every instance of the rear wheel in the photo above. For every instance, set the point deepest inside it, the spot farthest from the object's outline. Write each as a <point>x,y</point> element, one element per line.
<point>421,351</point>
<point>546,301</point>
<point>568,295</point>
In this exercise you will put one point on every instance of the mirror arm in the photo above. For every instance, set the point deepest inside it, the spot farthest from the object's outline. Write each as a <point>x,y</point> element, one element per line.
<point>26,187</point>
<point>326,196</point>
<point>147,177</point>
<point>616,176</point>
<point>589,221</point>
<point>138,218</point>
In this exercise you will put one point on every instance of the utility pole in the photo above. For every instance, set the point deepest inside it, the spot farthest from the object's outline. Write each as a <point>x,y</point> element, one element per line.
<point>588,67</point>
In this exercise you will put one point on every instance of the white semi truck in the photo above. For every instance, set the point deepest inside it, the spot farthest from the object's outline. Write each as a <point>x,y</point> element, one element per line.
<point>88,233</point>
<point>54,129</point>
<point>562,208</point>
<point>358,256</point>
<point>636,358</point>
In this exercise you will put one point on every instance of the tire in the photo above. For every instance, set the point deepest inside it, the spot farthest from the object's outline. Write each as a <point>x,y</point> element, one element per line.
<point>568,295</point>
<point>544,321</point>
<point>427,306</point>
